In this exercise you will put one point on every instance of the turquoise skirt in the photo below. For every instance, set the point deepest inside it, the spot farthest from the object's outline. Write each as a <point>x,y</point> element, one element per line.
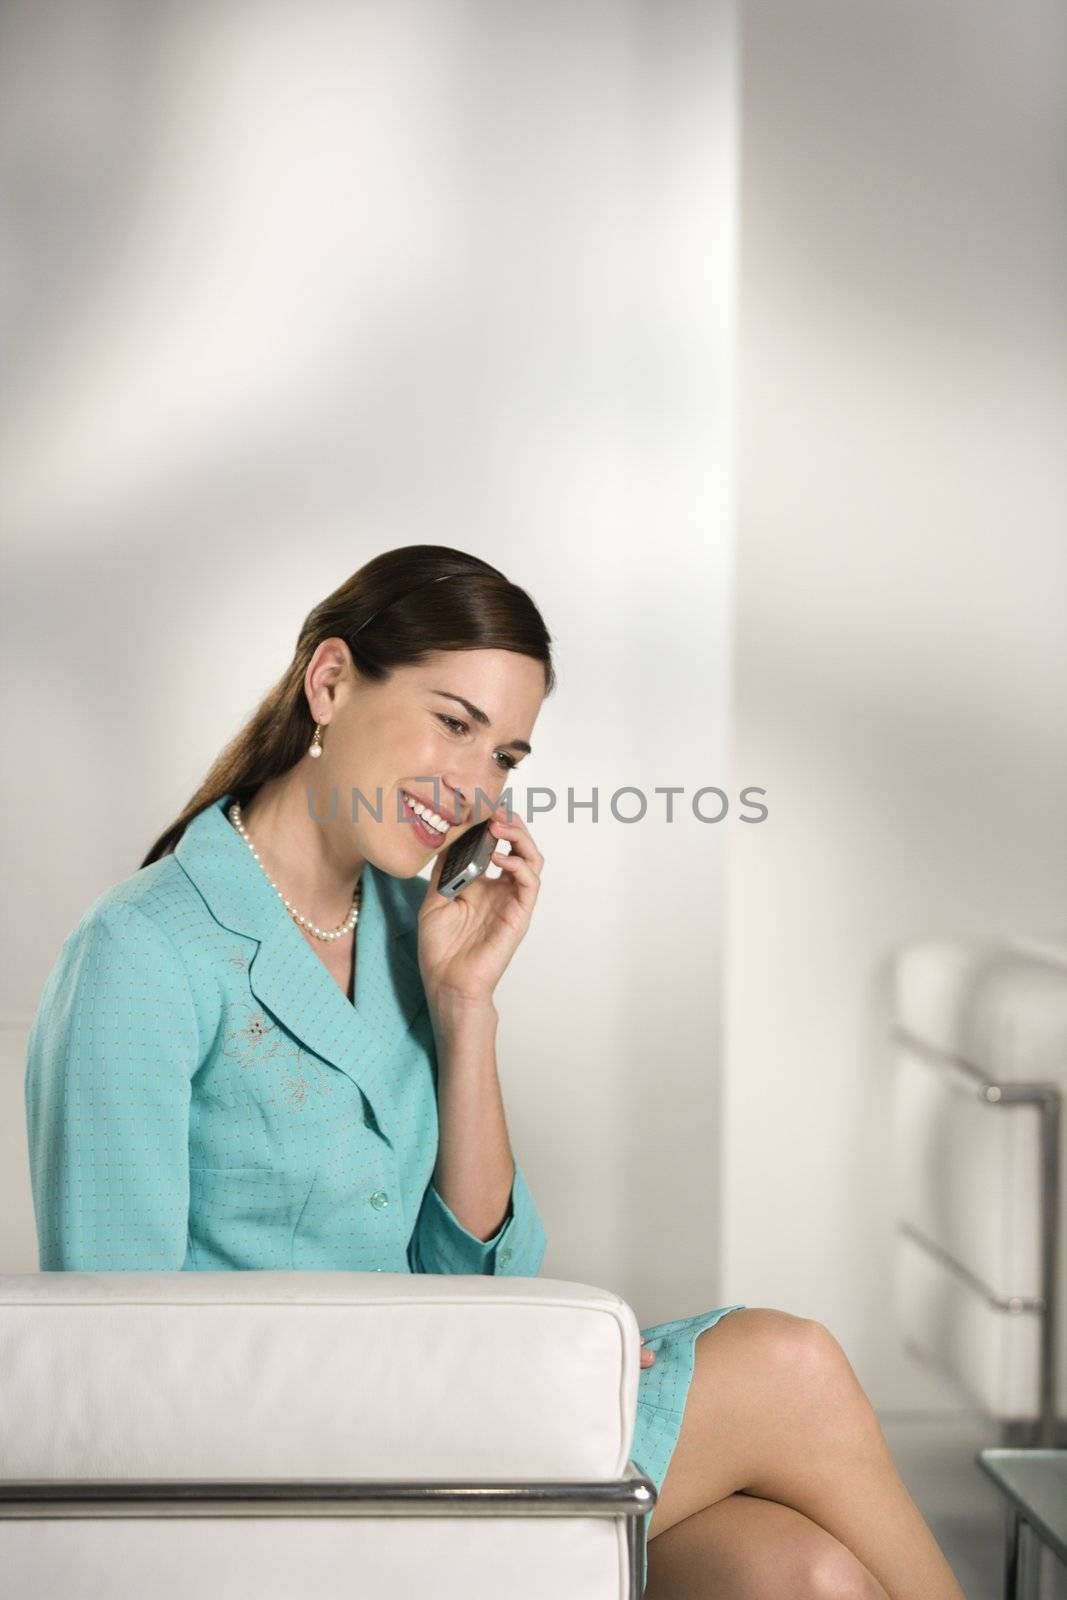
<point>662,1390</point>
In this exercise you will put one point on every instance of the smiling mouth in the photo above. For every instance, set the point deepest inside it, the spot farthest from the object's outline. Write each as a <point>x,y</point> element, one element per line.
<point>422,829</point>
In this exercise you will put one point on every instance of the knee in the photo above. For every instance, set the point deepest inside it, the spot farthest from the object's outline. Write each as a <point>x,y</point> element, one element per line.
<point>805,1347</point>
<point>816,1348</point>
<point>798,1344</point>
<point>807,1361</point>
<point>838,1575</point>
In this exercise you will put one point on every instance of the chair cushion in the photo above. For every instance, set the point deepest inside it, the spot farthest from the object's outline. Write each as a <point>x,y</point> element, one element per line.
<point>308,1374</point>
<point>1000,1006</point>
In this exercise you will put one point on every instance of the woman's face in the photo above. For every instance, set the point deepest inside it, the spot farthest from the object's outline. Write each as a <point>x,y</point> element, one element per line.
<point>419,734</point>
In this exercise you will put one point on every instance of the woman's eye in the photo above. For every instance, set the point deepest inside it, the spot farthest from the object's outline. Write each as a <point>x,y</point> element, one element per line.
<point>454,722</point>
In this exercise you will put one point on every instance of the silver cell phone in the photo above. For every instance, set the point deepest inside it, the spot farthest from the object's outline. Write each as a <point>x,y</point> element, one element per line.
<point>467,859</point>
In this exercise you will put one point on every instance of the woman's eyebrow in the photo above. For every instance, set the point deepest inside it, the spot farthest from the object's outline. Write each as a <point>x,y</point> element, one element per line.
<point>480,716</point>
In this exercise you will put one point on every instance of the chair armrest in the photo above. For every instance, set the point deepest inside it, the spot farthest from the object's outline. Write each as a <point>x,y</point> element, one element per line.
<point>251,1375</point>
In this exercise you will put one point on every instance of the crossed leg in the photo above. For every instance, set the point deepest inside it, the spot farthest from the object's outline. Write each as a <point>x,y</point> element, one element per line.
<point>745,1548</point>
<point>781,1483</point>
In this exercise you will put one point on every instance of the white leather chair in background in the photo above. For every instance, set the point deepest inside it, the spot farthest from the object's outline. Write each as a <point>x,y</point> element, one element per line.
<point>979,1046</point>
<point>316,1434</point>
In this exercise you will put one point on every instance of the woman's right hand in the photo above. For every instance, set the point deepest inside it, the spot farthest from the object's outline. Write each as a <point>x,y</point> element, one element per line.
<point>647,1356</point>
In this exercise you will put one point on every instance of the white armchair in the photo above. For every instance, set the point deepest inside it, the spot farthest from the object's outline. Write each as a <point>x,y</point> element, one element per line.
<point>323,1434</point>
<point>979,1042</point>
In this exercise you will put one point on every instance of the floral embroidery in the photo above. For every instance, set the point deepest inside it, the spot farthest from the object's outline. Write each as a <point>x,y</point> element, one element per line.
<point>239,961</point>
<point>297,1089</point>
<point>253,1038</point>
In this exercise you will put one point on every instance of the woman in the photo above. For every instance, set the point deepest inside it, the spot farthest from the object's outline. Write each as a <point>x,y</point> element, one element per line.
<point>274,1047</point>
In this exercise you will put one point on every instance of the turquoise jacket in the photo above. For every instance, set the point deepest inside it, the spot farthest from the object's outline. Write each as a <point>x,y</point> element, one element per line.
<point>202,1096</point>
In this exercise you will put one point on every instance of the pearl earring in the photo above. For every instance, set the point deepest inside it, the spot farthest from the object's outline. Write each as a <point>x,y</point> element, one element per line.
<point>315,748</point>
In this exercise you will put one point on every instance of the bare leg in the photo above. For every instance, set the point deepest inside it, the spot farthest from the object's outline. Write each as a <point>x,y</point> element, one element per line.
<point>776,1411</point>
<point>745,1548</point>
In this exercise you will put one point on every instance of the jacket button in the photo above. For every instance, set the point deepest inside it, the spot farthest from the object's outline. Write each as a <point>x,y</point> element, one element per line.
<point>379,1200</point>
<point>504,1257</point>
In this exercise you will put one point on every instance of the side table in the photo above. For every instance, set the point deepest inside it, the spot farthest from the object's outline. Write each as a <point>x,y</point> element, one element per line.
<point>1034,1486</point>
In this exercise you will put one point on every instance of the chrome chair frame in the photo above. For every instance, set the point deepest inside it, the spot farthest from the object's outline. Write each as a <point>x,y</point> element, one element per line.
<point>631,1497</point>
<point>1048,1098</point>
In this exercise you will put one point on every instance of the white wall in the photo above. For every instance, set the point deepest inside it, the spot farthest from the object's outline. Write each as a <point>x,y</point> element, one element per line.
<point>901,648</point>
<point>290,285</point>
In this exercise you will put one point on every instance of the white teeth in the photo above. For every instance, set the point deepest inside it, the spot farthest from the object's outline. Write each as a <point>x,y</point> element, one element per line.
<point>425,813</point>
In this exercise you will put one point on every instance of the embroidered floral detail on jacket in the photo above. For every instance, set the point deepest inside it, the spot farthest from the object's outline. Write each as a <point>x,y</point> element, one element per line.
<point>309,1081</point>
<point>252,1038</point>
<point>299,1089</point>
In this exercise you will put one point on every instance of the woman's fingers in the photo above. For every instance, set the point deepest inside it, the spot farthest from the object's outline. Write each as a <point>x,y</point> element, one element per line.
<point>516,864</point>
<point>523,860</point>
<point>519,837</point>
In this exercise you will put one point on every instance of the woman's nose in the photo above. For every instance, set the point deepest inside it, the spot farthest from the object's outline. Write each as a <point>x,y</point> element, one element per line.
<point>454,796</point>
<point>461,794</point>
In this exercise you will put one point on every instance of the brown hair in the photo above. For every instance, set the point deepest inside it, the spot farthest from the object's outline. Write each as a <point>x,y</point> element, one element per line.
<point>482,612</point>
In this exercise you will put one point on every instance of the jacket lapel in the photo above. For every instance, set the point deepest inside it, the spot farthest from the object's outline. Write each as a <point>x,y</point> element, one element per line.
<point>288,978</point>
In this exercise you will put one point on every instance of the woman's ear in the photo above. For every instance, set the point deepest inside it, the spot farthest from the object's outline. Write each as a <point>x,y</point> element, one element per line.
<point>330,672</point>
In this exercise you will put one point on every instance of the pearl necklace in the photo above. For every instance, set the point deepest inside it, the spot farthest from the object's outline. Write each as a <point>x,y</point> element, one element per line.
<point>312,927</point>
